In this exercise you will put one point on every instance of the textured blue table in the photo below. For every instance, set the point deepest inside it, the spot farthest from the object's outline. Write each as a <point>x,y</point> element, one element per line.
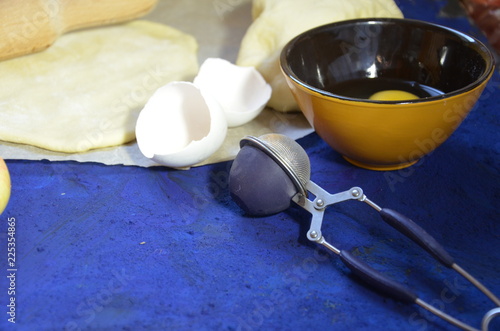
<point>126,248</point>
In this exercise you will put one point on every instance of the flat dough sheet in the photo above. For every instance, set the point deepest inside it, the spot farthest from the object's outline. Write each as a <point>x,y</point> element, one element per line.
<point>85,91</point>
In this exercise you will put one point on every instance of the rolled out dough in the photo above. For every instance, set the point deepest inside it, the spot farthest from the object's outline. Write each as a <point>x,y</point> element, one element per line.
<point>86,91</point>
<point>278,21</point>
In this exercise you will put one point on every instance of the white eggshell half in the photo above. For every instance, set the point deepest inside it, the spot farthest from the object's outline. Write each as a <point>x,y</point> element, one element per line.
<point>180,126</point>
<point>241,91</point>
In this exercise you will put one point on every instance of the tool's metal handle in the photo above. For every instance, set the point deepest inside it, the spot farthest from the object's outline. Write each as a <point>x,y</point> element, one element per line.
<point>413,231</point>
<point>394,289</point>
<point>488,317</point>
<point>322,199</point>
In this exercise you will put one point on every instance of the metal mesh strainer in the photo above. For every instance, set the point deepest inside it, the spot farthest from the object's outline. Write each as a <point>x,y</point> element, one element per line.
<point>287,153</point>
<point>257,185</point>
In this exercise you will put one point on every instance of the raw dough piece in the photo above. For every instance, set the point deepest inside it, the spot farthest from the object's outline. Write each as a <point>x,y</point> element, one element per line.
<point>86,90</point>
<point>277,21</point>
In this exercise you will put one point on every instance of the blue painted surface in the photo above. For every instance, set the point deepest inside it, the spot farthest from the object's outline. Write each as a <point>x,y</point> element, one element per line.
<point>127,248</point>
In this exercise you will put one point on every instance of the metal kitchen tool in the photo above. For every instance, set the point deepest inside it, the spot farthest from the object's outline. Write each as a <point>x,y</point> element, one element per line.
<point>273,168</point>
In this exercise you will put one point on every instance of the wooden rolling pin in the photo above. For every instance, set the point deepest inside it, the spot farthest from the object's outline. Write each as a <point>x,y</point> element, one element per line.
<point>29,26</point>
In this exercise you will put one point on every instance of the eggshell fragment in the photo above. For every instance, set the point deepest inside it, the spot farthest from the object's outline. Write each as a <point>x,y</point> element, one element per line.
<point>241,91</point>
<point>180,125</point>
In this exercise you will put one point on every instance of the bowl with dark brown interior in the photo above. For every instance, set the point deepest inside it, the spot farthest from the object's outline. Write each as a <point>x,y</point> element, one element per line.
<point>385,92</point>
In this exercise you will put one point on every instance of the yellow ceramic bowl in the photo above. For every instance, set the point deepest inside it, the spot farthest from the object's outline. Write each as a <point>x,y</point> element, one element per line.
<point>332,70</point>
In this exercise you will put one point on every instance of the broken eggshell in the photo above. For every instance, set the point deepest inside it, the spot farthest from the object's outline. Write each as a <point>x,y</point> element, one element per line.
<point>241,91</point>
<point>180,125</point>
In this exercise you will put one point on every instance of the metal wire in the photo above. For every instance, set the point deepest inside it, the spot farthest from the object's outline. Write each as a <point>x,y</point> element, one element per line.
<point>476,283</point>
<point>287,153</point>
<point>488,317</point>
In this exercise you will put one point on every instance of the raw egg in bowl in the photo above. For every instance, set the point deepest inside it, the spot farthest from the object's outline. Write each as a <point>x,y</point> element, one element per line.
<point>385,92</point>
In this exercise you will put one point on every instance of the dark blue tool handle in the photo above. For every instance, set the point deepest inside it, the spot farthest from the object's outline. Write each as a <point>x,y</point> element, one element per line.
<point>377,280</point>
<point>413,231</point>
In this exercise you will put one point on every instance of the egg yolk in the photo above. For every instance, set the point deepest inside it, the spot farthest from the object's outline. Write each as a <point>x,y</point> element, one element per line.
<point>392,95</point>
